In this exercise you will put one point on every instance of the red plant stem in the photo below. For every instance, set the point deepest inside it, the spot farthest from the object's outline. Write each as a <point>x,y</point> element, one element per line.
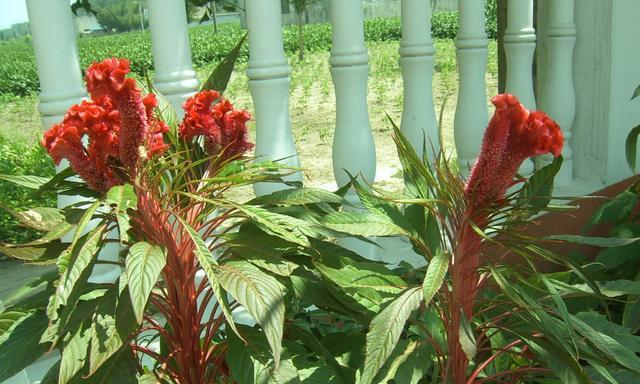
<point>493,378</point>
<point>464,289</point>
<point>482,366</point>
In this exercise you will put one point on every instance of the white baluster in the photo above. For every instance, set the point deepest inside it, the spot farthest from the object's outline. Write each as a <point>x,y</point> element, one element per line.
<point>56,52</point>
<point>471,115</point>
<point>519,46</point>
<point>61,86</point>
<point>353,147</point>
<point>268,73</point>
<point>416,60</point>
<point>558,97</point>
<point>174,74</point>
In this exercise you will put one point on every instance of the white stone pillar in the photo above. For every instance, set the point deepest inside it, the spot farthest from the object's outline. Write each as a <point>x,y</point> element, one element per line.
<point>353,147</point>
<point>56,53</point>
<point>558,98</point>
<point>519,47</point>
<point>419,123</point>
<point>268,73</point>
<point>174,75</point>
<point>471,115</point>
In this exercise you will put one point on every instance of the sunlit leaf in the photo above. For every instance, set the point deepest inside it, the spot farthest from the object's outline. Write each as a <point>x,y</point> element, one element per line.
<point>261,295</point>
<point>143,264</point>
<point>385,330</point>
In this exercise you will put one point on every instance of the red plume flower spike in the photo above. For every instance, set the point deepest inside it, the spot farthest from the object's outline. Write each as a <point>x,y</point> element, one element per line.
<point>513,135</point>
<point>118,121</point>
<point>107,79</point>
<point>223,128</point>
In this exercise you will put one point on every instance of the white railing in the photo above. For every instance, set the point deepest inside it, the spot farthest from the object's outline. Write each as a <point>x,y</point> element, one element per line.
<point>268,71</point>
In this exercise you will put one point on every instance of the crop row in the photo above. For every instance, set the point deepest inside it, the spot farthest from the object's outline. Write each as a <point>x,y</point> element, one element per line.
<point>18,74</point>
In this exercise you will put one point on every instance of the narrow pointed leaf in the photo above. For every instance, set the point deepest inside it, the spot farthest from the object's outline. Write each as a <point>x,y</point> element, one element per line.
<point>220,76</point>
<point>362,224</point>
<point>27,181</point>
<point>434,277</point>
<point>630,147</point>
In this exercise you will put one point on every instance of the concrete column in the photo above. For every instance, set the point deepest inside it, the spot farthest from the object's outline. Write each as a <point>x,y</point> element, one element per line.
<point>519,46</point>
<point>174,75</point>
<point>558,97</point>
<point>268,73</point>
<point>419,123</point>
<point>471,115</point>
<point>56,52</point>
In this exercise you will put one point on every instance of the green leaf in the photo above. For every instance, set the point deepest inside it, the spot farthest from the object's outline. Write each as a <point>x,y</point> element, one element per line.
<point>220,76</point>
<point>74,276</point>
<point>362,223</point>
<point>295,196</point>
<point>251,364</point>
<point>466,338</point>
<point>74,355</point>
<point>263,250</point>
<point>39,218</point>
<point>399,360</point>
<point>42,254</point>
<point>9,318</point>
<point>536,191</point>
<point>370,284</point>
<point>84,221</point>
<point>630,146</point>
<point>20,344</point>
<point>434,277</point>
<point>622,334</point>
<point>608,346</point>
<point>27,181</point>
<point>121,368</point>
<point>385,330</point>
<point>122,197</point>
<point>283,226</point>
<point>143,264</point>
<point>595,241</point>
<point>261,295</point>
<point>110,328</point>
<point>616,210</point>
<point>636,92</point>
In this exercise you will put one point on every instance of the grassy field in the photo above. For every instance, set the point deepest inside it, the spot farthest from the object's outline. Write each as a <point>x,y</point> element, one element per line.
<point>312,104</point>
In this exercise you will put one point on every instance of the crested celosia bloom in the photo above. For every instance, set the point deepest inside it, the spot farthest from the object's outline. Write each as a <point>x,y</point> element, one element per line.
<point>223,128</point>
<point>100,122</point>
<point>513,135</point>
<point>118,122</point>
<point>107,79</point>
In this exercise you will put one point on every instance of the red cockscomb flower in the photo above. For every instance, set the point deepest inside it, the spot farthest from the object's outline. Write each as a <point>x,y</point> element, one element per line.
<point>223,127</point>
<point>117,123</point>
<point>107,79</point>
<point>513,135</point>
<point>101,124</point>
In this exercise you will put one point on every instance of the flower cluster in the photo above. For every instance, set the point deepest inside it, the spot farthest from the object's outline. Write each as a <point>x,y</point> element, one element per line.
<point>513,135</point>
<point>223,128</point>
<point>117,122</point>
